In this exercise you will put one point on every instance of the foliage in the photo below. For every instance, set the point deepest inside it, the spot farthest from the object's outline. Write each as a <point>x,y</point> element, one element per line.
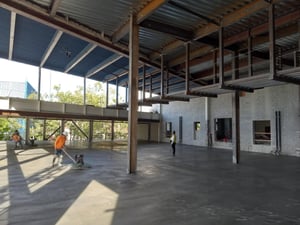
<point>7,127</point>
<point>95,95</point>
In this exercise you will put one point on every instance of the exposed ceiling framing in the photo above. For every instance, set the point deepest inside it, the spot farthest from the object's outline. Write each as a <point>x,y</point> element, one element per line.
<point>81,39</point>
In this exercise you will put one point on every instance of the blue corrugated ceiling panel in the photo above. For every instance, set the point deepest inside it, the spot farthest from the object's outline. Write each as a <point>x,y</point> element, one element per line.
<point>99,76</point>
<point>31,40</point>
<point>64,52</point>
<point>123,62</point>
<point>109,72</point>
<point>4,28</point>
<point>93,59</point>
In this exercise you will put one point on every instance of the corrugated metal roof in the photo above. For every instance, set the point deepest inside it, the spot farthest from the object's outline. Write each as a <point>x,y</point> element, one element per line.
<point>90,22</point>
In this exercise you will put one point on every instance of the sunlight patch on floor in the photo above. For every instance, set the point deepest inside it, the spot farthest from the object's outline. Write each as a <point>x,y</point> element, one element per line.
<point>95,205</point>
<point>36,166</point>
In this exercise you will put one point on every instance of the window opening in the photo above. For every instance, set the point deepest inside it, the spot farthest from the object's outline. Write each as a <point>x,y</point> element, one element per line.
<point>223,129</point>
<point>168,129</point>
<point>262,132</point>
<point>196,130</point>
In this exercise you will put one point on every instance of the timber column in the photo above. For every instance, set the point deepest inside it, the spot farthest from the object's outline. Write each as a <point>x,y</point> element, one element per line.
<point>133,94</point>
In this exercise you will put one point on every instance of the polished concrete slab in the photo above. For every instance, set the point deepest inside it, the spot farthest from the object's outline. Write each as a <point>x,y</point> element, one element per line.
<point>197,186</point>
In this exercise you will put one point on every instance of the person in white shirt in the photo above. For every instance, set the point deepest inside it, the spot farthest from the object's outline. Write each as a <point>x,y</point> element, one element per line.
<point>173,142</point>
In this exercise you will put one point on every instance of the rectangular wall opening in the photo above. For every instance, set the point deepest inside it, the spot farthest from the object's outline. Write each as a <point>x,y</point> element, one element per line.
<point>262,132</point>
<point>223,129</point>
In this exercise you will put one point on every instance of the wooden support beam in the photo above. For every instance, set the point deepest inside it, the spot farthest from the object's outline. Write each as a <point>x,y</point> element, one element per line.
<point>210,28</point>
<point>178,33</point>
<point>202,94</point>
<point>54,7</point>
<point>141,16</point>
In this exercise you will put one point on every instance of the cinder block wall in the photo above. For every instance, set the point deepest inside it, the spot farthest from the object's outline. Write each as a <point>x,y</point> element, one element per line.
<point>260,105</point>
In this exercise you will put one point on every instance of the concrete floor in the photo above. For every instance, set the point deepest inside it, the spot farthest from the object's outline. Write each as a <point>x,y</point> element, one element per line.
<point>197,186</point>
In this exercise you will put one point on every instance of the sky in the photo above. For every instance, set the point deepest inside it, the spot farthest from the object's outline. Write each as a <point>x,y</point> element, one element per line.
<point>20,72</point>
<point>14,71</point>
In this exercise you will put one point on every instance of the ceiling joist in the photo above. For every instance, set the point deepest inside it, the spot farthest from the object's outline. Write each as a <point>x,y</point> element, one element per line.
<point>51,46</point>
<point>141,16</point>
<point>12,34</point>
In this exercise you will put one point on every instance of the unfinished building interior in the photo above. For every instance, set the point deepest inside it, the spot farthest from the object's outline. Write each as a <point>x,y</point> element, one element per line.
<point>225,75</point>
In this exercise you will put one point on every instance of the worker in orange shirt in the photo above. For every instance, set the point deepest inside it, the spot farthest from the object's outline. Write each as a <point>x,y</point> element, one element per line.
<point>59,145</point>
<point>16,137</point>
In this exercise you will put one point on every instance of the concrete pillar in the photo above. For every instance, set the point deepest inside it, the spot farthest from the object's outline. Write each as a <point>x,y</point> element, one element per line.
<point>133,94</point>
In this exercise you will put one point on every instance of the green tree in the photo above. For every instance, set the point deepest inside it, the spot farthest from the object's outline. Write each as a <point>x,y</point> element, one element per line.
<point>75,97</point>
<point>95,95</point>
<point>7,127</point>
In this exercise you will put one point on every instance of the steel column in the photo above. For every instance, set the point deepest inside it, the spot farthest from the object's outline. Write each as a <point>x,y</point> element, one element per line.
<point>162,78</point>
<point>39,84</point>
<point>187,68</point>
<point>27,130</point>
<point>236,127</point>
<point>150,86</point>
<point>272,41</point>
<point>221,57</point>
<point>250,59</point>
<point>84,91</point>
<point>112,130</point>
<point>144,82</point>
<point>91,131</point>
<point>236,147</point>
<point>215,67</point>
<point>133,93</point>
<point>117,91</point>
<point>107,92</point>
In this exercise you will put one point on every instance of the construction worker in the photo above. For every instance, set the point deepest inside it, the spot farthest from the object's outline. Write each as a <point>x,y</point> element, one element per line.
<point>16,137</point>
<point>59,145</point>
<point>173,142</point>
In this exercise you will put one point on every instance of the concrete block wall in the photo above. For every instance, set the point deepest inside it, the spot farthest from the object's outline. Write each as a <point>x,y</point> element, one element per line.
<point>148,132</point>
<point>260,105</point>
